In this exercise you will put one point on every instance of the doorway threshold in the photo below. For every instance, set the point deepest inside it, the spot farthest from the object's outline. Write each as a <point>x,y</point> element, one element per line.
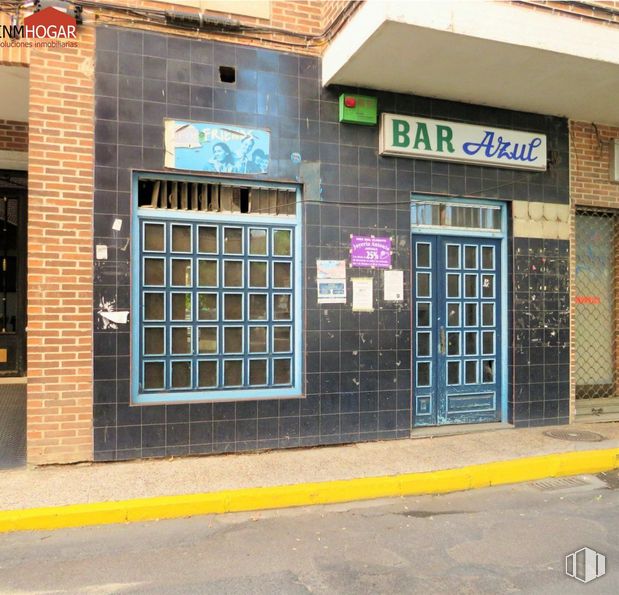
<point>454,430</point>
<point>13,380</point>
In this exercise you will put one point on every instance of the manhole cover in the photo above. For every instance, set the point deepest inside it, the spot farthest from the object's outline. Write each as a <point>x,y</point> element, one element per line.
<point>575,435</point>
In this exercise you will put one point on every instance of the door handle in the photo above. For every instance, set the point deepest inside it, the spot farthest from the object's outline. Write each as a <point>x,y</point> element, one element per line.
<point>441,341</point>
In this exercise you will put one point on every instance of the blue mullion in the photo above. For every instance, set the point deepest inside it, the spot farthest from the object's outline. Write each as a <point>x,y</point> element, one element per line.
<point>477,328</point>
<point>479,387</point>
<point>293,274</point>
<point>246,305</point>
<point>435,317</point>
<point>220,317</point>
<point>141,306</point>
<point>496,239</point>
<point>194,323</point>
<point>220,302</point>
<point>462,357</point>
<point>166,304</point>
<point>221,292</point>
<point>271,317</point>
<point>140,338</point>
<point>244,297</point>
<point>442,359</point>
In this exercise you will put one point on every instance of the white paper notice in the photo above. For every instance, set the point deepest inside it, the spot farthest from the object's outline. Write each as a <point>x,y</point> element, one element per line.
<point>101,252</point>
<point>120,317</point>
<point>117,225</point>
<point>362,289</point>
<point>331,291</point>
<point>331,269</point>
<point>331,281</point>
<point>393,282</point>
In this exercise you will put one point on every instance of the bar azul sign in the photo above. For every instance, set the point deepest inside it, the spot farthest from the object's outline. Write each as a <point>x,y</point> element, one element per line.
<point>408,136</point>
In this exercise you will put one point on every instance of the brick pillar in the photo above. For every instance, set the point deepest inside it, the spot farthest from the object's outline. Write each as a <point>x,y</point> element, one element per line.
<point>60,202</point>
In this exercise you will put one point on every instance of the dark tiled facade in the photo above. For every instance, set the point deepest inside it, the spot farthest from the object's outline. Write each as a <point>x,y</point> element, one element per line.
<point>541,333</point>
<point>357,365</point>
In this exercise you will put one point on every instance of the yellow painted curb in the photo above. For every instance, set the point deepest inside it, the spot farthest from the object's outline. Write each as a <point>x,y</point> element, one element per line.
<point>327,492</point>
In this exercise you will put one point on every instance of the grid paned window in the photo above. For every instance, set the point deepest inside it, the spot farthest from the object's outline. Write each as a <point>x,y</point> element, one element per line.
<point>216,311</point>
<point>214,303</point>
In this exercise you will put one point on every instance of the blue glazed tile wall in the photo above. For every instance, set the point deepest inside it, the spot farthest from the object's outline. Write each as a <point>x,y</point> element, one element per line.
<point>357,365</point>
<point>541,312</point>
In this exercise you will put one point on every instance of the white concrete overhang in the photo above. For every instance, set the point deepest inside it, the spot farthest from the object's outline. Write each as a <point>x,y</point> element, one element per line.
<point>483,52</point>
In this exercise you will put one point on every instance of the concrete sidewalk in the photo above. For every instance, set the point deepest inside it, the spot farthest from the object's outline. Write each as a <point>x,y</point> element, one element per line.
<point>109,482</point>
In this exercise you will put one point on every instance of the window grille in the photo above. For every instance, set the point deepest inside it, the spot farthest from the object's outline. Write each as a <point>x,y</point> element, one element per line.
<point>217,293</point>
<point>595,304</point>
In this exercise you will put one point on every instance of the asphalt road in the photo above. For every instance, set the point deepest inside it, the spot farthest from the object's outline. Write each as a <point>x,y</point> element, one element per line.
<point>497,540</point>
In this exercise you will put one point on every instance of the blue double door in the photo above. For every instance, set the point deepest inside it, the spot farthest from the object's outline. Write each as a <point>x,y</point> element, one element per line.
<point>457,367</point>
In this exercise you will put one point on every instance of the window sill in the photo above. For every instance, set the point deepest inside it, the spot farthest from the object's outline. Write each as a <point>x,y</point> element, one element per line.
<point>179,398</point>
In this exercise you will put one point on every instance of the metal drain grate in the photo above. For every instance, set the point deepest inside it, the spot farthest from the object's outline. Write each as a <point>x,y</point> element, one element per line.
<point>559,483</point>
<point>575,435</point>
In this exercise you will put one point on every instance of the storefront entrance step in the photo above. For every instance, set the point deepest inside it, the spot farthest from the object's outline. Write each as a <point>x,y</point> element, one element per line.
<point>456,429</point>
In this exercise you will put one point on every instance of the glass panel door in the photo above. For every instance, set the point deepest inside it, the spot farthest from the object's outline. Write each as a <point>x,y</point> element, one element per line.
<point>456,330</point>
<point>12,274</point>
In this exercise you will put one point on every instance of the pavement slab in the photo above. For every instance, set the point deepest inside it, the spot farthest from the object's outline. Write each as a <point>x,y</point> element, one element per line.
<point>60,485</point>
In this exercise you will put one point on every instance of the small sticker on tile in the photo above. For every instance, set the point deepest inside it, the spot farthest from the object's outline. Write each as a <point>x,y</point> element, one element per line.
<point>101,252</point>
<point>118,223</point>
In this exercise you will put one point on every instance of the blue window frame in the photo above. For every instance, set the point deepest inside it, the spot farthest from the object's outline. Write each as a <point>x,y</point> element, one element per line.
<point>216,309</point>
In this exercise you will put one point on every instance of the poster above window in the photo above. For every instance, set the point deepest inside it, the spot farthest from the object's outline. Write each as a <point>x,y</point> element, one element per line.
<point>210,147</point>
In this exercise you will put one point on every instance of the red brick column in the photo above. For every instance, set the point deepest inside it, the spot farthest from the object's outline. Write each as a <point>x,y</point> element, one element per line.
<point>60,202</point>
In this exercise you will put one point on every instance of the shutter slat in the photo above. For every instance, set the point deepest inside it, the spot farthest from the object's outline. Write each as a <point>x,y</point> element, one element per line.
<point>184,196</point>
<point>225,199</point>
<point>214,206</point>
<point>236,200</point>
<point>154,197</point>
<point>204,196</point>
<point>194,197</point>
<point>174,196</point>
<point>272,202</point>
